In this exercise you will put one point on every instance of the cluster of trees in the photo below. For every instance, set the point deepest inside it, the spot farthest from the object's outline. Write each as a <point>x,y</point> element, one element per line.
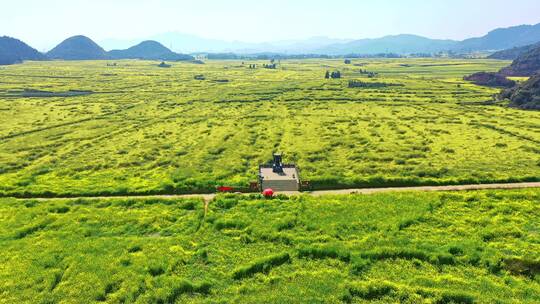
<point>368,73</point>
<point>347,61</point>
<point>269,66</point>
<point>333,75</point>
<point>252,66</point>
<point>360,84</point>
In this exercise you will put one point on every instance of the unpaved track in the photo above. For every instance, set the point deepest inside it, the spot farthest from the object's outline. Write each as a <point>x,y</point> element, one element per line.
<point>429,188</point>
<point>209,197</point>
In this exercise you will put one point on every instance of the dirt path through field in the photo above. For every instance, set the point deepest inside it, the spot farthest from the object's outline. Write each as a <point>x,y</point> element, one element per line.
<point>429,188</point>
<point>209,197</point>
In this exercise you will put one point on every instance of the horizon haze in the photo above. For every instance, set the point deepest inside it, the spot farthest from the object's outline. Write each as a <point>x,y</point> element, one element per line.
<point>269,21</point>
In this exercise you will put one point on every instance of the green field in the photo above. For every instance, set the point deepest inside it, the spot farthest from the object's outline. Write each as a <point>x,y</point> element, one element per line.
<point>147,129</point>
<point>460,247</point>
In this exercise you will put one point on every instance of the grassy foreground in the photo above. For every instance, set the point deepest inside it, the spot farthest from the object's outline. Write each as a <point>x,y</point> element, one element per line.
<point>147,129</point>
<point>460,247</point>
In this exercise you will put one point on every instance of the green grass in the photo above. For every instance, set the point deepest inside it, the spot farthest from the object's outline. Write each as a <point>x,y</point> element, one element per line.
<point>152,130</point>
<point>451,247</point>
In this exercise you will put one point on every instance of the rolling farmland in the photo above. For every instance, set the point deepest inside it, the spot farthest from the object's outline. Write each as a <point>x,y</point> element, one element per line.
<point>449,247</point>
<point>270,152</point>
<point>89,128</point>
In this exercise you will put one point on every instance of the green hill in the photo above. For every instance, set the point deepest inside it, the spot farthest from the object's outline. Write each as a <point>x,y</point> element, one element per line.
<point>527,64</point>
<point>15,51</point>
<point>490,80</point>
<point>525,95</point>
<point>149,50</point>
<point>77,48</point>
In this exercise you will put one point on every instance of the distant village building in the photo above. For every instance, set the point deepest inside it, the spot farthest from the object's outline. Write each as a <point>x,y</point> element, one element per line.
<point>278,176</point>
<point>201,57</point>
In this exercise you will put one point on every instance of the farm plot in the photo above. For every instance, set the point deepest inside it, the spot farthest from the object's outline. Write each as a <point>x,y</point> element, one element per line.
<point>146,129</point>
<point>459,247</point>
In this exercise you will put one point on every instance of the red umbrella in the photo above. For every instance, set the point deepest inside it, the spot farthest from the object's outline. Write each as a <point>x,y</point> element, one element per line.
<point>268,192</point>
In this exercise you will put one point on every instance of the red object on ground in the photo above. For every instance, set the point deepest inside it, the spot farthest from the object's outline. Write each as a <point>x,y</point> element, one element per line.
<point>225,189</point>
<point>268,192</point>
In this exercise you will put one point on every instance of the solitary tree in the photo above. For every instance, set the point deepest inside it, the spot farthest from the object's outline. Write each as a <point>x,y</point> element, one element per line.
<point>327,75</point>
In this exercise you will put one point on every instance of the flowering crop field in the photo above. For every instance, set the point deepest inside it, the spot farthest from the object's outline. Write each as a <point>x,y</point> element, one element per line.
<point>89,128</point>
<point>410,247</point>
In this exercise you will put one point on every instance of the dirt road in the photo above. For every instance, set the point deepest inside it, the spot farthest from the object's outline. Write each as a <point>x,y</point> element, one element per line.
<point>209,197</point>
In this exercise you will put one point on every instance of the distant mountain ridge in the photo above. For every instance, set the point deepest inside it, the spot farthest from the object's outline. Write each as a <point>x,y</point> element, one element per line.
<point>502,38</point>
<point>14,51</point>
<point>499,39</point>
<point>527,64</point>
<point>513,53</point>
<point>513,39</point>
<point>399,44</point>
<point>188,43</point>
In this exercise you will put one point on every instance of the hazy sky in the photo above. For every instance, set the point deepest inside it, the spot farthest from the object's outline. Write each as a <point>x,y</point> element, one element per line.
<point>43,24</point>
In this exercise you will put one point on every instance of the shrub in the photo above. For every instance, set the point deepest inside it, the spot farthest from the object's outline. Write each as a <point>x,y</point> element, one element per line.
<point>455,250</point>
<point>407,254</point>
<point>27,230</point>
<point>229,224</point>
<point>400,161</point>
<point>526,267</point>
<point>61,209</point>
<point>202,254</point>
<point>324,253</point>
<point>156,270</point>
<point>261,266</point>
<point>185,287</point>
<point>134,248</point>
<point>444,259</point>
<point>475,259</point>
<point>455,298</point>
<point>448,150</point>
<point>371,290</point>
<point>225,203</point>
<point>407,223</point>
<point>286,224</point>
<point>189,205</point>
<point>30,204</point>
<point>360,266</point>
